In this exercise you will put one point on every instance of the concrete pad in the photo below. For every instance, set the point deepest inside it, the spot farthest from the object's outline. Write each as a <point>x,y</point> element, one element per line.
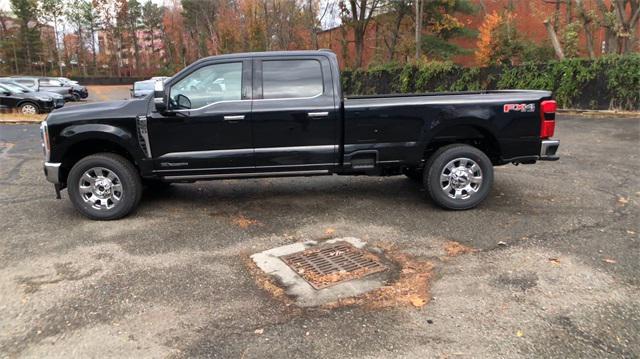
<point>305,295</point>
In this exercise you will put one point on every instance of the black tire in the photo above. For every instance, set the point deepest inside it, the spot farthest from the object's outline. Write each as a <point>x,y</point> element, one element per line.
<point>76,97</point>
<point>24,105</point>
<point>413,174</point>
<point>127,176</point>
<point>436,165</point>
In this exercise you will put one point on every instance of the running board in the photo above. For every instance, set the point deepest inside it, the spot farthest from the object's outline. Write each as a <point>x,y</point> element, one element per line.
<point>247,175</point>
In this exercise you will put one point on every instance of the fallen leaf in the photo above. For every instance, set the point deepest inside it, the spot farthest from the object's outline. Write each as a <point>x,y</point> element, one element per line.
<point>259,331</point>
<point>554,260</point>
<point>243,222</point>
<point>519,334</point>
<point>609,260</point>
<point>329,231</point>
<point>630,232</point>
<point>623,200</point>
<point>417,301</point>
<point>501,243</point>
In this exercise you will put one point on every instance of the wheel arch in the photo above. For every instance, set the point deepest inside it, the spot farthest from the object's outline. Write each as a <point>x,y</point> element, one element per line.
<point>89,142</point>
<point>30,102</point>
<point>470,132</point>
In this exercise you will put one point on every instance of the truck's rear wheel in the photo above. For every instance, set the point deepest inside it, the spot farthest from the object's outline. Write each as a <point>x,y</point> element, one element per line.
<point>104,186</point>
<point>458,176</point>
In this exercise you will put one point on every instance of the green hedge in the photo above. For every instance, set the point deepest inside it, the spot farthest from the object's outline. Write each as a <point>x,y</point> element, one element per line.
<point>609,82</point>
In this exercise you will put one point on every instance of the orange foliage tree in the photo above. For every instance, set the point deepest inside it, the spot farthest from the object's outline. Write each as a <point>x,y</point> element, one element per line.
<point>486,41</point>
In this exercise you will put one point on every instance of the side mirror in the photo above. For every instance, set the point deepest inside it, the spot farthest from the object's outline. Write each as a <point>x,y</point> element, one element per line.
<point>159,96</point>
<point>183,102</point>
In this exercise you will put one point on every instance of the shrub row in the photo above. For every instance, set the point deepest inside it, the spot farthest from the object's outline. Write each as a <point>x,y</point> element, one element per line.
<point>609,82</point>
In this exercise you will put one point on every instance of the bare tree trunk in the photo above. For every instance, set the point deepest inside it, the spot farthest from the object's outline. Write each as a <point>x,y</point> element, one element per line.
<point>15,55</point>
<point>419,7</point>
<point>55,41</point>
<point>586,23</point>
<point>93,49</point>
<point>395,35</point>
<point>554,40</point>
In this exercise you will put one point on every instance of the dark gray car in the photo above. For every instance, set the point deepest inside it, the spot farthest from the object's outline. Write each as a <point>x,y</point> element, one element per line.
<point>58,100</point>
<point>45,84</point>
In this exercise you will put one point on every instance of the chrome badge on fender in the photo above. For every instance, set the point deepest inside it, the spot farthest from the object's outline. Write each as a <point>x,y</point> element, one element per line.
<point>520,107</point>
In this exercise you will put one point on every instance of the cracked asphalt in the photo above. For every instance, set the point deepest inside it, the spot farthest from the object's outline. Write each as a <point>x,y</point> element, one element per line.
<point>556,273</point>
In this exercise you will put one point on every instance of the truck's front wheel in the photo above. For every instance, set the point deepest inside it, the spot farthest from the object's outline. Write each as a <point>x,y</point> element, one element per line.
<point>104,186</point>
<point>458,176</point>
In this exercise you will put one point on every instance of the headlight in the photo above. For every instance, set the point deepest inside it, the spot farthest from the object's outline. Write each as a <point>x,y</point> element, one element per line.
<point>44,98</point>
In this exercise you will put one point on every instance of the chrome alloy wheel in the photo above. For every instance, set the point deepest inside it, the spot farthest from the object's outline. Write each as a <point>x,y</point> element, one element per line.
<point>101,188</point>
<point>461,178</point>
<point>28,109</point>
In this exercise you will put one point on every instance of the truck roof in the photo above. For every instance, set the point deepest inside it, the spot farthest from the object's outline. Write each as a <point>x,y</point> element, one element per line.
<point>268,54</point>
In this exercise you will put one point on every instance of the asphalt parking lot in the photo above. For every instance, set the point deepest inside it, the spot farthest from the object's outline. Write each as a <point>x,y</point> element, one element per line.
<point>555,272</point>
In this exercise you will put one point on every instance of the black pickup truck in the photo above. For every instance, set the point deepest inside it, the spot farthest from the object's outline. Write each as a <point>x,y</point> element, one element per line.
<point>283,114</point>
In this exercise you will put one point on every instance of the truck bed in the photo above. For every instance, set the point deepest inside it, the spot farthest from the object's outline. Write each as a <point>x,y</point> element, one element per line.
<point>397,128</point>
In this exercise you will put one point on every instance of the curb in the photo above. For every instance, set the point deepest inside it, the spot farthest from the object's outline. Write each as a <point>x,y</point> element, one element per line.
<point>599,113</point>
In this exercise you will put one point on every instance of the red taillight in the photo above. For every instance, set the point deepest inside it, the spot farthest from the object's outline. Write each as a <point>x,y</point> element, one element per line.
<point>547,118</point>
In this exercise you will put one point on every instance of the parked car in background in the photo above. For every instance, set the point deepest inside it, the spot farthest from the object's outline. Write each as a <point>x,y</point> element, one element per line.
<point>68,80</point>
<point>79,91</point>
<point>43,84</point>
<point>28,103</point>
<point>141,88</point>
<point>58,100</point>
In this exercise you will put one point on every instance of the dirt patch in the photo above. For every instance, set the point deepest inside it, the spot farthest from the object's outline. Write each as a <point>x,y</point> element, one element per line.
<point>454,249</point>
<point>244,222</point>
<point>64,272</point>
<point>266,282</point>
<point>411,287</point>
<point>20,118</point>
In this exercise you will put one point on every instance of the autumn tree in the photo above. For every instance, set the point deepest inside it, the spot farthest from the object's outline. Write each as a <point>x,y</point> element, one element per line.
<point>28,36</point>
<point>133,23</point>
<point>52,11</point>
<point>486,41</point>
<point>397,11</point>
<point>620,19</point>
<point>357,15</point>
<point>152,21</point>
<point>91,22</point>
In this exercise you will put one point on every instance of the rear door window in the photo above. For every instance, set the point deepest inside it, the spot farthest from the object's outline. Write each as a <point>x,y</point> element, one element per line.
<point>291,79</point>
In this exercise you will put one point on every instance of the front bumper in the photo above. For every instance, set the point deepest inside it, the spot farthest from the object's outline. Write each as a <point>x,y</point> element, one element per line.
<point>59,102</point>
<point>548,149</point>
<point>52,172</point>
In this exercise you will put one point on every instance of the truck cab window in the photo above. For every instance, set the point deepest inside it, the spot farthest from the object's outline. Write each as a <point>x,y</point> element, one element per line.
<point>207,85</point>
<point>291,79</point>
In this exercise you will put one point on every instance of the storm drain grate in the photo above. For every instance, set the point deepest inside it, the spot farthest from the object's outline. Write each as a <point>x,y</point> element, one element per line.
<point>331,264</point>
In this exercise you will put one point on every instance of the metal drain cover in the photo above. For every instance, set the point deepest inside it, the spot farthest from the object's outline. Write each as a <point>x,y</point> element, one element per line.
<point>331,264</point>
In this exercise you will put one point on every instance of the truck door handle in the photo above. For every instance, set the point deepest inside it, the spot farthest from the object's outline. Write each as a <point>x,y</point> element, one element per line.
<point>234,118</point>
<point>317,114</point>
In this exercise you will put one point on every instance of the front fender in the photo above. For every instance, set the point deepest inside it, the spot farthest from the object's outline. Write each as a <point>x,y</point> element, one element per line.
<point>75,134</point>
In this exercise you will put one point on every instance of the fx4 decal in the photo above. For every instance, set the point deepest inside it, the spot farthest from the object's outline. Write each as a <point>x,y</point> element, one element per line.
<point>520,107</point>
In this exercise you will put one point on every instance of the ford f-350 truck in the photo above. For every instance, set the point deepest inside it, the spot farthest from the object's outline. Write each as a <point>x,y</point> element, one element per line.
<point>270,114</point>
